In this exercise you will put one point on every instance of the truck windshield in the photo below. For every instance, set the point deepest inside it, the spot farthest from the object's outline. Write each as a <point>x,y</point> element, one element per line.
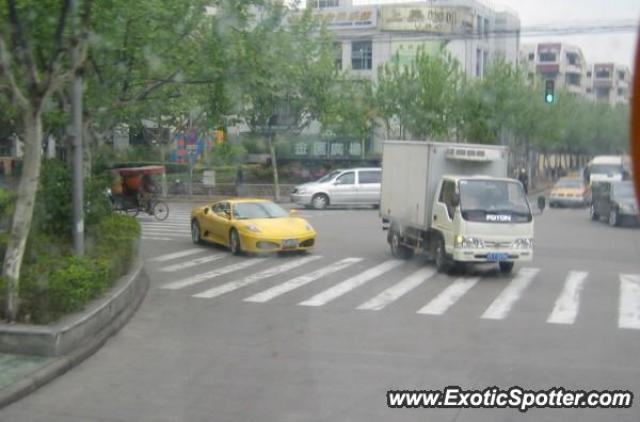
<point>493,201</point>
<point>605,169</point>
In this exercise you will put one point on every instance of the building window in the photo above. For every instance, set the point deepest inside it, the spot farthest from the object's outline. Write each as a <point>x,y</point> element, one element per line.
<point>572,58</point>
<point>322,4</point>
<point>319,148</point>
<point>485,62</point>
<point>486,27</point>
<point>547,57</point>
<point>478,62</point>
<point>337,47</point>
<point>588,74</point>
<point>361,54</point>
<point>337,149</point>
<point>620,91</point>
<point>573,79</point>
<point>479,24</point>
<point>602,93</point>
<point>621,75</point>
<point>532,56</point>
<point>300,148</point>
<point>603,74</point>
<point>588,90</point>
<point>354,148</point>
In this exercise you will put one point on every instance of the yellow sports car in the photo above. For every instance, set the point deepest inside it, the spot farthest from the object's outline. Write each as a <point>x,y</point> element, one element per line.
<point>251,225</point>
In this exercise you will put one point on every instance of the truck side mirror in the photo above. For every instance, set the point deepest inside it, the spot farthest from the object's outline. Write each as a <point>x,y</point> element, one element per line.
<point>542,202</point>
<point>206,211</point>
<point>455,200</point>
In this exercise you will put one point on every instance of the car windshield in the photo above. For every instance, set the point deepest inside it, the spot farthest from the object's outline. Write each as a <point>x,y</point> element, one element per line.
<point>328,176</point>
<point>623,190</point>
<point>493,201</point>
<point>250,210</point>
<point>605,169</point>
<point>569,183</point>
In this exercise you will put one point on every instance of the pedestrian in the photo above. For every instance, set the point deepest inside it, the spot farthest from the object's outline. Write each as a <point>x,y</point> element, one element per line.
<point>239,181</point>
<point>522,177</point>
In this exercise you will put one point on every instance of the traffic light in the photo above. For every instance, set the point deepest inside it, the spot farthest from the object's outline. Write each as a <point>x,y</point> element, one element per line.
<point>549,94</point>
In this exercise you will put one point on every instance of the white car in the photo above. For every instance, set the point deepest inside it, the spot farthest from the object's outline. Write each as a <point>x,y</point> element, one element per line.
<point>356,186</point>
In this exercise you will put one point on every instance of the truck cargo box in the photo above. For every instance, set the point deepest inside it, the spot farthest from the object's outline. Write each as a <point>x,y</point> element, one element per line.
<point>411,171</point>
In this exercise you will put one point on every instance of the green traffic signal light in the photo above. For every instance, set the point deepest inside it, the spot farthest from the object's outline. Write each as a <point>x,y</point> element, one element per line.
<point>549,95</point>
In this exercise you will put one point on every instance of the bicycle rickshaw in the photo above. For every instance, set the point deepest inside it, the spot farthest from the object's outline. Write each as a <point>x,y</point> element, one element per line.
<point>134,191</point>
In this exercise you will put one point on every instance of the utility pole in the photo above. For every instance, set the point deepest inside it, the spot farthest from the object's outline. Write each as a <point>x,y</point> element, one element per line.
<point>77,164</point>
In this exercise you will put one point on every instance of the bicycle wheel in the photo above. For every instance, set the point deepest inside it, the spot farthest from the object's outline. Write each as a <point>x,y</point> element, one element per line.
<point>160,210</point>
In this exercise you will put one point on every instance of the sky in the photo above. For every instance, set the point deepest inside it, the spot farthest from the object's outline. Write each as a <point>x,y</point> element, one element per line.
<point>599,47</point>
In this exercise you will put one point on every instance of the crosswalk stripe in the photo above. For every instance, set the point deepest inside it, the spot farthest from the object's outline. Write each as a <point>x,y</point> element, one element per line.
<point>162,225</point>
<point>449,296</point>
<point>184,230</point>
<point>172,239</point>
<point>174,255</point>
<point>300,281</point>
<point>566,307</point>
<point>629,312</point>
<point>501,306</point>
<point>234,285</point>
<point>167,234</point>
<point>198,278</point>
<point>398,290</point>
<point>350,284</point>
<point>192,263</point>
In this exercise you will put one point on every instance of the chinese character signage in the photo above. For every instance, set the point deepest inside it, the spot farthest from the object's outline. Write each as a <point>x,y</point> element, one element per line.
<point>346,18</point>
<point>443,20</point>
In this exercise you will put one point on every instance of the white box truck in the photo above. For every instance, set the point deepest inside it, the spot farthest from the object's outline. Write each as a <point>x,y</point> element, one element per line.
<point>455,203</point>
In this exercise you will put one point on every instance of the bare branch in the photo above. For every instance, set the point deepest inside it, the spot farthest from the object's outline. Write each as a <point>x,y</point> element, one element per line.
<point>59,36</point>
<point>25,55</point>
<point>5,69</point>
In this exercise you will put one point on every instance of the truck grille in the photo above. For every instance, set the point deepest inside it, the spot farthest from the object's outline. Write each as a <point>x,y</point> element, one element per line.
<point>497,245</point>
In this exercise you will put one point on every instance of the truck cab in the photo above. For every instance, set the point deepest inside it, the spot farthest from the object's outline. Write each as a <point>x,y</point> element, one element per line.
<point>481,219</point>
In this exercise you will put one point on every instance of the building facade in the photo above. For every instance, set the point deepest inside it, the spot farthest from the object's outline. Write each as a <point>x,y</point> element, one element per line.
<point>609,83</point>
<point>370,36</point>
<point>563,63</point>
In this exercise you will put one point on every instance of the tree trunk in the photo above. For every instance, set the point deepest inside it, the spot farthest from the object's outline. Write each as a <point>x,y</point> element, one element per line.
<point>274,167</point>
<point>23,214</point>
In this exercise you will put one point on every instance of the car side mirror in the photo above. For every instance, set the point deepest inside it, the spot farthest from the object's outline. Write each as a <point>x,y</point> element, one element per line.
<point>455,200</point>
<point>542,203</point>
<point>336,183</point>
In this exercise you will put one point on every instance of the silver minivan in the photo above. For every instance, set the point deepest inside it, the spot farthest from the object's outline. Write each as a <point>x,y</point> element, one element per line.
<point>357,186</point>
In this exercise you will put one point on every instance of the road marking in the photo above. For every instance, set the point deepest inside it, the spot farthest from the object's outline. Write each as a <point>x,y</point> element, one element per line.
<point>174,255</point>
<point>234,285</point>
<point>398,290</point>
<point>350,284</point>
<point>449,296</point>
<point>184,230</point>
<point>164,225</point>
<point>510,294</point>
<point>300,281</point>
<point>172,239</point>
<point>198,278</point>
<point>566,307</point>
<point>192,263</point>
<point>629,313</point>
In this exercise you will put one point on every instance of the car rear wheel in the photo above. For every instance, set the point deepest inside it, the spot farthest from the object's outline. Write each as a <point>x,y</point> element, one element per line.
<point>195,232</point>
<point>234,242</point>
<point>505,266</point>
<point>398,250</point>
<point>614,218</point>
<point>593,213</point>
<point>320,201</point>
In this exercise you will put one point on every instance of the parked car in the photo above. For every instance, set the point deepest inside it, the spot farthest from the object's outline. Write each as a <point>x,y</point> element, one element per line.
<point>569,191</point>
<point>357,186</point>
<point>614,200</point>
<point>251,225</point>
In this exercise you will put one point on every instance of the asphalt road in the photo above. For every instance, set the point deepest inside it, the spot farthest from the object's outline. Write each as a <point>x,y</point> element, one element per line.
<point>215,341</point>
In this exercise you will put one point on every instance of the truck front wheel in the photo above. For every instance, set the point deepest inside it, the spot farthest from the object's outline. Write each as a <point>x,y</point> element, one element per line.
<point>443,265</point>
<point>505,266</point>
<point>398,250</point>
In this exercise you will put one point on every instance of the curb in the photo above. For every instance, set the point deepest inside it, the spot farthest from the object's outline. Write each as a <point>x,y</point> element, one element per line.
<point>62,364</point>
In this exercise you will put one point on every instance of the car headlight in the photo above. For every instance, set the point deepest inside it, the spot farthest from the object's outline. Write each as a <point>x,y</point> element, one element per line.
<point>301,191</point>
<point>252,228</point>
<point>468,242</point>
<point>628,207</point>
<point>522,243</point>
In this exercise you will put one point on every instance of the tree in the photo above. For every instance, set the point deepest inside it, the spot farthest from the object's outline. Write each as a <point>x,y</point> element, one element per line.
<point>34,57</point>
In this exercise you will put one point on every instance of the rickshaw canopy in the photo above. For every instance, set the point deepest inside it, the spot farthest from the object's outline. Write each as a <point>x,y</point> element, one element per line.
<point>130,171</point>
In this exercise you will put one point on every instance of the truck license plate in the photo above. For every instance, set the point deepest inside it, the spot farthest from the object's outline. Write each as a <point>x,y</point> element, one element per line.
<point>495,256</point>
<point>289,243</point>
